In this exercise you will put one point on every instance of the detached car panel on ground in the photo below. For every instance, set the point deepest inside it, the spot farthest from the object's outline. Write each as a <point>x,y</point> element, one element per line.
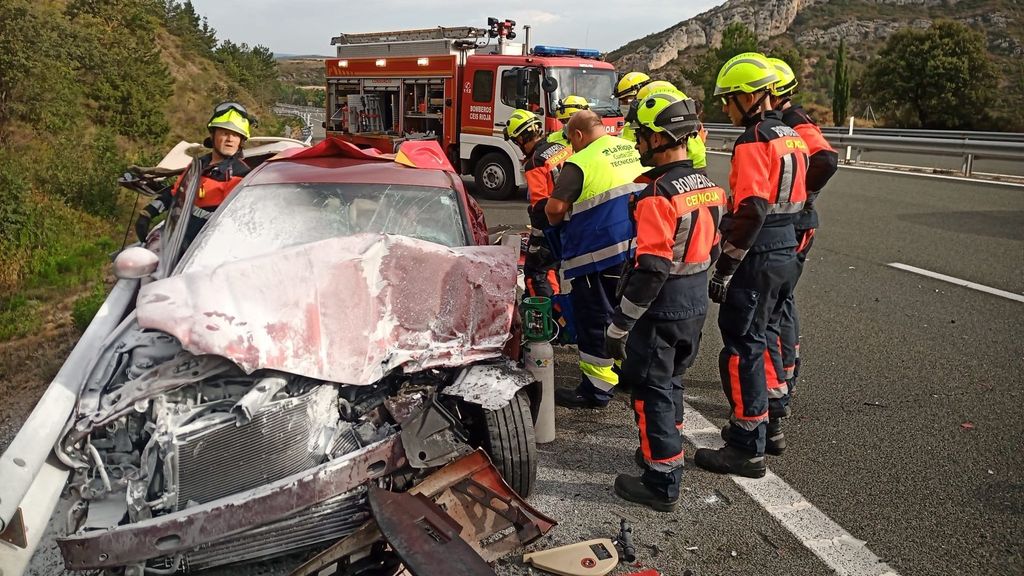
<point>334,324</point>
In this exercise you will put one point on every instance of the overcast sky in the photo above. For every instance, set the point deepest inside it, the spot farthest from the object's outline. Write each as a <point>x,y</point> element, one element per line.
<point>306,26</point>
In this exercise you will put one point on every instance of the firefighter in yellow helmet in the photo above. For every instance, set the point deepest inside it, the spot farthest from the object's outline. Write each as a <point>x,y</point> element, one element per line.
<point>822,164</point>
<point>696,150</point>
<point>543,160</point>
<point>222,169</point>
<point>563,111</point>
<point>657,323</point>
<point>758,267</point>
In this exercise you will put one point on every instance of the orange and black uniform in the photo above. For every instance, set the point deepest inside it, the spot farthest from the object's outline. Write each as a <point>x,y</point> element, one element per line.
<point>768,190</point>
<point>663,304</point>
<point>216,183</point>
<point>822,164</point>
<point>541,266</point>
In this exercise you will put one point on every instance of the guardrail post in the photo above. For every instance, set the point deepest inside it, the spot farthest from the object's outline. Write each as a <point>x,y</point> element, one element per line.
<point>848,148</point>
<point>968,166</point>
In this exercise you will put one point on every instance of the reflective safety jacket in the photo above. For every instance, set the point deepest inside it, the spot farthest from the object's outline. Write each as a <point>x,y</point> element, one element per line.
<point>558,137</point>
<point>216,182</point>
<point>696,149</point>
<point>541,170</point>
<point>597,232</point>
<point>677,217</point>
<point>768,188</point>
<point>822,162</point>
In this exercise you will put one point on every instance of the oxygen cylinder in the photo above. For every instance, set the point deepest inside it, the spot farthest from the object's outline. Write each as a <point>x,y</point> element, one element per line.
<point>539,357</point>
<point>540,361</point>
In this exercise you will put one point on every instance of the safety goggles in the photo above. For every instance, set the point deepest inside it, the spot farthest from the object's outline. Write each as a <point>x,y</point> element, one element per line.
<point>226,106</point>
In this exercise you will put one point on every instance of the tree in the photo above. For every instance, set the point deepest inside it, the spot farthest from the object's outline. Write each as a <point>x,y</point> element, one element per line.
<point>939,78</point>
<point>840,87</point>
<point>736,39</point>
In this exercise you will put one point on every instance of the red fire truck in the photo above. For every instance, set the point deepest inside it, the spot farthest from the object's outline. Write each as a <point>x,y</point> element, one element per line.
<point>452,85</point>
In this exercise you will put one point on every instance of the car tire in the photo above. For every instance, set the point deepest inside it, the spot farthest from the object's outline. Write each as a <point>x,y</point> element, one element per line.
<point>507,437</point>
<point>494,177</point>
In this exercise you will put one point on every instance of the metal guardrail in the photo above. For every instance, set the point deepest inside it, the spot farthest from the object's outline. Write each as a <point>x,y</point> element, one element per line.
<point>968,149</point>
<point>911,133</point>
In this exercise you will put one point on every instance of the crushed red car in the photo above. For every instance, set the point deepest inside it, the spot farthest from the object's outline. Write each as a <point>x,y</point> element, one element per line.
<point>340,322</point>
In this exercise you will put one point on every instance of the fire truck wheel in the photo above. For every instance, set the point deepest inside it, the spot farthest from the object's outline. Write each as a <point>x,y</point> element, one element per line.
<point>495,179</point>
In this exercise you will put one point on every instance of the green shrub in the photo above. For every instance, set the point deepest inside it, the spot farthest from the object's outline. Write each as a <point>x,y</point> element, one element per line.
<point>19,316</point>
<point>86,307</point>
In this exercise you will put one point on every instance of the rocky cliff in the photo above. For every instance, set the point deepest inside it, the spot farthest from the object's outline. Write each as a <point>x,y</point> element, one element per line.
<point>813,25</point>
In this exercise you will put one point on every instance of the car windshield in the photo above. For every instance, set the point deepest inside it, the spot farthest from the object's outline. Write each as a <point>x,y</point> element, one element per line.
<point>596,85</point>
<point>265,218</point>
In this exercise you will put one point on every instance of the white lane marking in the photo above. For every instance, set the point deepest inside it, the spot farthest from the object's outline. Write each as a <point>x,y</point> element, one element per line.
<point>959,282</point>
<point>961,179</point>
<point>828,541</point>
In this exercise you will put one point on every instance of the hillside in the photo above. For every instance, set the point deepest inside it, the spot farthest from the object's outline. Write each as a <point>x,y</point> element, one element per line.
<point>814,29</point>
<point>86,89</point>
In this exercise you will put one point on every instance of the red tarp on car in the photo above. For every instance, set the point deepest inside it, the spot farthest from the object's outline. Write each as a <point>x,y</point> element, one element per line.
<point>344,310</point>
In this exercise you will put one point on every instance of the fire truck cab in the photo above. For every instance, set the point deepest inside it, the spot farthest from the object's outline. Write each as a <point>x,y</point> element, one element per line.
<point>445,84</point>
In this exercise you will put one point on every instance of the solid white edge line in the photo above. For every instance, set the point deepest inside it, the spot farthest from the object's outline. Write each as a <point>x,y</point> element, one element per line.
<point>959,282</point>
<point>829,541</point>
<point>918,174</point>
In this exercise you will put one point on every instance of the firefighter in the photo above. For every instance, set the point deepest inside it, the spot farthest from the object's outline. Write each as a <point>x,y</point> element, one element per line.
<point>543,161</point>
<point>823,162</point>
<point>627,88</point>
<point>656,327</point>
<point>590,206</point>
<point>222,169</point>
<point>695,149</point>
<point>563,111</point>
<point>757,269</point>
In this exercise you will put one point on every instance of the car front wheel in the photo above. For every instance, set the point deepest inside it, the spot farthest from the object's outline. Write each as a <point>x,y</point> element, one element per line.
<point>507,437</point>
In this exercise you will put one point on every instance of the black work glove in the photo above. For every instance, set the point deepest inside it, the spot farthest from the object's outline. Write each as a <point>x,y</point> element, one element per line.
<point>718,287</point>
<point>142,227</point>
<point>615,342</point>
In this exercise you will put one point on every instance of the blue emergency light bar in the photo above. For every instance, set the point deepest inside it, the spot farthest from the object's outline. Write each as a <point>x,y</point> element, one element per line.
<point>542,50</point>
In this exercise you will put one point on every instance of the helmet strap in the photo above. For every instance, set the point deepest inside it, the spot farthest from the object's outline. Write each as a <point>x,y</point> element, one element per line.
<point>783,102</point>
<point>647,158</point>
<point>752,114</point>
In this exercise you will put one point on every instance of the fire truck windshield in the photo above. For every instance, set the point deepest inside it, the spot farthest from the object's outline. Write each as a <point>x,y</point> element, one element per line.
<point>596,85</point>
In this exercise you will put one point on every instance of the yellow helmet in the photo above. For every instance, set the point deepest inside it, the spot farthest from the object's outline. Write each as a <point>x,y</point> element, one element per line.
<point>570,105</point>
<point>520,122</point>
<point>231,116</point>
<point>630,84</point>
<point>656,87</point>
<point>747,72</point>
<point>787,82</point>
<point>670,112</point>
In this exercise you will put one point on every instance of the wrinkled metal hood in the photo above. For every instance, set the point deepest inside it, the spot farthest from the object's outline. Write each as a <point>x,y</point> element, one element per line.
<point>345,310</point>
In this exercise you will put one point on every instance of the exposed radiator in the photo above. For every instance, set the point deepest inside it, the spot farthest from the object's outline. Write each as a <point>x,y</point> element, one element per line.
<point>328,521</point>
<point>213,457</point>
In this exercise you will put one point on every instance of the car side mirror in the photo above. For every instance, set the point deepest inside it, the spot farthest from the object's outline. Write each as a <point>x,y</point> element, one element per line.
<point>135,262</point>
<point>549,84</point>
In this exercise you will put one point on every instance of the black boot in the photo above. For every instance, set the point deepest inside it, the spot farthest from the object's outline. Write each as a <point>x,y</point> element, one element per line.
<point>729,460</point>
<point>638,457</point>
<point>576,399</point>
<point>775,443</point>
<point>633,489</point>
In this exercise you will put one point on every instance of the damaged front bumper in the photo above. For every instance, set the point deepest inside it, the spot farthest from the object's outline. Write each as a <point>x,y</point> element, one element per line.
<point>228,519</point>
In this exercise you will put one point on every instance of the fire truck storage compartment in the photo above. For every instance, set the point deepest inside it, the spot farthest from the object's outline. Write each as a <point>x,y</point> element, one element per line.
<point>338,91</point>
<point>424,109</point>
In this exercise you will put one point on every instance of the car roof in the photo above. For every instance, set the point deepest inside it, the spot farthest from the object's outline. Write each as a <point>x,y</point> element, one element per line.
<point>333,169</point>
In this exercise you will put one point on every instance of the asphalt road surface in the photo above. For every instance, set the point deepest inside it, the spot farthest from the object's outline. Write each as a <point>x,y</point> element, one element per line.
<point>906,429</point>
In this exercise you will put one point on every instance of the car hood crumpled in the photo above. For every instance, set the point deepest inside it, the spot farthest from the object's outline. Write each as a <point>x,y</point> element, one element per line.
<point>345,310</point>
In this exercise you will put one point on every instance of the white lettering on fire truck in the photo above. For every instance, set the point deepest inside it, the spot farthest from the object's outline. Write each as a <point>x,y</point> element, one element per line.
<point>480,113</point>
